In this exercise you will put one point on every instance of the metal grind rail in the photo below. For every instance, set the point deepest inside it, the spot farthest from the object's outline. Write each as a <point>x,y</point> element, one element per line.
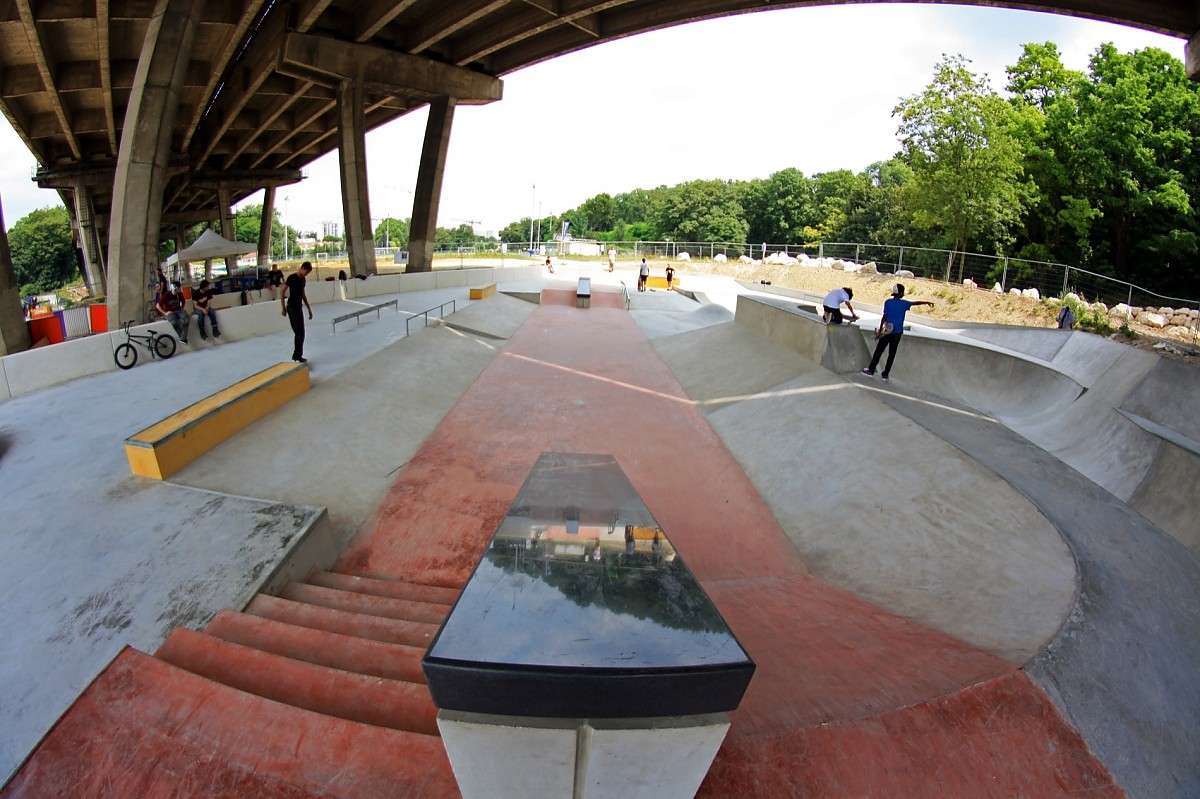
<point>355,315</point>
<point>441,309</point>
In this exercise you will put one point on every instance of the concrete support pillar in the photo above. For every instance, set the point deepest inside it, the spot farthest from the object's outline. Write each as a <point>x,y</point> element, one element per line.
<point>423,233</point>
<point>14,333</point>
<point>141,174</point>
<point>224,205</point>
<point>89,243</point>
<point>352,163</point>
<point>212,225</point>
<point>1191,56</point>
<point>264,227</point>
<point>180,245</point>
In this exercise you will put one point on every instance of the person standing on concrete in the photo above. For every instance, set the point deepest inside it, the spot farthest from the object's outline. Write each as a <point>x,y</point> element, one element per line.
<point>294,302</point>
<point>833,305</point>
<point>891,328</point>
<point>643,274</point>
<point>612,258</point>
<point>170,305</point>
<point>670,275</point>
<point>202,307</point>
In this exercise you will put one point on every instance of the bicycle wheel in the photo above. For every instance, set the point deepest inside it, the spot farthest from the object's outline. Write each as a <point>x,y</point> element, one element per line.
<point>164,346</point>
<point>125,355</point>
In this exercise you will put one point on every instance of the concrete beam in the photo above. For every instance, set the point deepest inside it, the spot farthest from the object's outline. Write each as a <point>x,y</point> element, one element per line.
<point>145,155</point>
<point>352,165</point>
<point>265,225</point>
<point>89,242</point>
<point>14,333</point>
<point>329,61</point>
<point>1191,57</point>
<point>224,205</point>
<point>423,232</point>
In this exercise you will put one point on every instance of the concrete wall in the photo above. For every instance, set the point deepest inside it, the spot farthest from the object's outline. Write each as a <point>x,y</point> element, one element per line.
<point>839,348</point>
<point>24,372</point>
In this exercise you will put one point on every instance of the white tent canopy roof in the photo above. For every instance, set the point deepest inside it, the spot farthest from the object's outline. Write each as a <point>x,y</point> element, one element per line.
<point>211,245</point>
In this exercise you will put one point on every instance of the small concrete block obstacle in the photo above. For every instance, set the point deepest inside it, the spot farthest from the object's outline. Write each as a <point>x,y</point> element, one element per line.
<point>479,292</point>
<point>659,282</point>
<point>583,294</point>
<point>167,446</point>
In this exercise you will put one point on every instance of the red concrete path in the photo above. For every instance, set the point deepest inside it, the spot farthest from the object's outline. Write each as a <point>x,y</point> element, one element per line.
<point>894,701</point>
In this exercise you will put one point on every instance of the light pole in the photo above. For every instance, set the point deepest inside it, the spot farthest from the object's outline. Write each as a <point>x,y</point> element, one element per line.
<point>286,249</point>
<point>532,208</point>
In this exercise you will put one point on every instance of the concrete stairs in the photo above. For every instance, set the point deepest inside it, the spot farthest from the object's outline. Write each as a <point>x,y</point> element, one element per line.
<point>336,658</point>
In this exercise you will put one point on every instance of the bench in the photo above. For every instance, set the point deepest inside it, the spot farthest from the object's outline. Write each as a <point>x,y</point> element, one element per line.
<point>583,293</point>
<point>369,309</point>
<point>479,292</point>
<point>167,446</point>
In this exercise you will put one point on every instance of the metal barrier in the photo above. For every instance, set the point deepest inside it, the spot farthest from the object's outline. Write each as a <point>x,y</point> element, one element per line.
<point>355,315</point>
<point>440,309</point>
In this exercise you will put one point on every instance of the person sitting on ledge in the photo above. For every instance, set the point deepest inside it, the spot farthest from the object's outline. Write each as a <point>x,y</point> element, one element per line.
<point>833,305</point>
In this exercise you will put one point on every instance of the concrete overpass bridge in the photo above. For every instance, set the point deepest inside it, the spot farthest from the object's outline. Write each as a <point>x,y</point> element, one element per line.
<point>152,116</point>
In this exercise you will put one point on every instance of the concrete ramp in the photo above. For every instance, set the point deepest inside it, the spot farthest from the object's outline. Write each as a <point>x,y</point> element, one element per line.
<point>1007,386</point>
<point>872,502</point>
<point>839,348</point>
<point>679,319</point>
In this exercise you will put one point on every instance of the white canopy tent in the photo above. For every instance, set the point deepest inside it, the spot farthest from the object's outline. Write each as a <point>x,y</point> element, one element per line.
<point>211,245</point>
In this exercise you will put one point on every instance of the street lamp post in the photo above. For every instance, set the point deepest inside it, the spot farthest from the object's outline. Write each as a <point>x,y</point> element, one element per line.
<point>532,208</point>
<point>286,248</point>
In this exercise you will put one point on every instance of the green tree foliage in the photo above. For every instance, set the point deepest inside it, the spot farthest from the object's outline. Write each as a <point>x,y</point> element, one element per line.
<point>43,253</point>
<point>392,232</point>
<point>956,136</point>
<point>702,210</point>
<point>247,221</point>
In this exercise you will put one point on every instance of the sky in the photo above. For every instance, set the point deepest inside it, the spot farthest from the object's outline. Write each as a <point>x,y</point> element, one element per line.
<point>736,98</point>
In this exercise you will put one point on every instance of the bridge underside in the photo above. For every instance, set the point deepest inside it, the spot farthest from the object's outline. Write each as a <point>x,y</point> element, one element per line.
<point>227,97</point>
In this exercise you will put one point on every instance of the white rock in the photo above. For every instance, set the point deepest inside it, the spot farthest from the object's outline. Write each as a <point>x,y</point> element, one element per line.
<point>905,273</point>
<point>1192,312</point>
<point>1136,311</point>
<point>1016,292</point>
<point>998,288</point>
<point>838,265</point>
<point>1122,310</point>
<point>803,259</point>
<point>684,256</point>
<point>853,267</point>
<point>1072,296</point>
<point>1152,319</point>
<point>1032,294</point>
<point>869,268</point>
<point>745,259</point>
<point>1099,307</point>
<point>720,258</point>
<point>969,283</point>
<point>1180,319</point>
<point>1177,330</point>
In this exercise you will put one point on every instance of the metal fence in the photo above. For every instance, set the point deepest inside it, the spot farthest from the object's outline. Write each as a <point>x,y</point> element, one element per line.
<point>987,271</point>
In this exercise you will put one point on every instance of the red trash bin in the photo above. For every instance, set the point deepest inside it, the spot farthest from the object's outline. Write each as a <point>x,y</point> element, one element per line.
<point>98,317</point>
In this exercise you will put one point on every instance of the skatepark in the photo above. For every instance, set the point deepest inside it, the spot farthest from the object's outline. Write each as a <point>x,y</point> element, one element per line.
<point>977,579</point>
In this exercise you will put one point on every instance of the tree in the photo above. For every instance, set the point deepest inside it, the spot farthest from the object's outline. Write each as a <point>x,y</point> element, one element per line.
<point>966,165</point>
<point>43,253</point>
<point>701,211</point>
<point>392,232</point>
<point>779,208</point>
<point>600,213</point>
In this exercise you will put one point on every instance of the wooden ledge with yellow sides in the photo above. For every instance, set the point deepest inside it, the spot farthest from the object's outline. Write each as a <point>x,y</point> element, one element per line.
<point>167,446</point>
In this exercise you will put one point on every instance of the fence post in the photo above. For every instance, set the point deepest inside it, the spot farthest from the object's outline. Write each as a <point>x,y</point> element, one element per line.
<point>949,265</point>
<point>900,262</point>
<point>1004,276</point>
<point>821,250</point>
<point>1066,277</point>
<point>856,251</point>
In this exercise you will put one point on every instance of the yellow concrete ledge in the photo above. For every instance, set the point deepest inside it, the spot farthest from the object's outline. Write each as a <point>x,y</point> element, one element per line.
<point>479,292</point>
<point>165,447</point>
<point>659,282</point>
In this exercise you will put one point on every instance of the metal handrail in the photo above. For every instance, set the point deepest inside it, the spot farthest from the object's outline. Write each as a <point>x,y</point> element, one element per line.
<point>356,314</point>
<point>625,292</point>
<point>425,314</point>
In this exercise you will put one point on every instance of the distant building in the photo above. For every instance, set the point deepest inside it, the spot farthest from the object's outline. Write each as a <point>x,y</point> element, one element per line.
<point>333,229</point>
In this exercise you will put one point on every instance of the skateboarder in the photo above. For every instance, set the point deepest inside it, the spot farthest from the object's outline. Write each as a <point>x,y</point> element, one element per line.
<point>891,327</point>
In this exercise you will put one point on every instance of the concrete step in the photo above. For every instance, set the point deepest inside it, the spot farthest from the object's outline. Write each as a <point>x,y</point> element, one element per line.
<point>355,697</point>
<point>316,617</point>
<point>417,592</point>
<point>147,728</point>
<point>345,652</point>
<point>369,604</point>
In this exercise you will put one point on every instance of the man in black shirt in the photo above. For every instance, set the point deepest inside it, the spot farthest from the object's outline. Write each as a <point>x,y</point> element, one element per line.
<point>294,302</point>
<point>202,307</point>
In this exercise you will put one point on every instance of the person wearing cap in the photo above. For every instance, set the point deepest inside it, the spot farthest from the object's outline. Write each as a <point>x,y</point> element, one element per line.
<point>170,304</point>
<point>833,305</point>
<point>891,328</point>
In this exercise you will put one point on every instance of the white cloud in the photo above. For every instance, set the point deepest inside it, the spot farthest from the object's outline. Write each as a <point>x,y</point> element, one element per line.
<point>739,97</point>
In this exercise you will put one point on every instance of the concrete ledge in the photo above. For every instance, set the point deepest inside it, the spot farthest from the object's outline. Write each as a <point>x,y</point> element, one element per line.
<point>841,349</point>
<point>315,548</point>
<point>650,758</point>
<point>167,446</point>
<point>480,292</point>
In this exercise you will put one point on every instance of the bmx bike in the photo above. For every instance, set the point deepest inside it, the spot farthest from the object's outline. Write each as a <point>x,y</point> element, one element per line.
<point>161,345</point>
